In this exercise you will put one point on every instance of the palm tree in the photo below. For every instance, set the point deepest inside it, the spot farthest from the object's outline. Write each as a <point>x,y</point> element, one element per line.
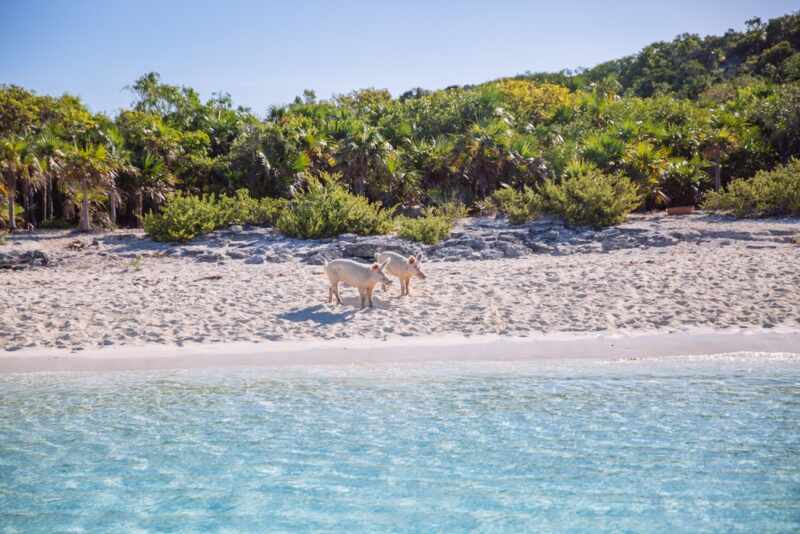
<point>88,171</point>
<point>153,180</point>
<point>18,166</point>
<point>121,158</point>
<point>716,147</point>
<point>363,153</point>
<point>51,158</point>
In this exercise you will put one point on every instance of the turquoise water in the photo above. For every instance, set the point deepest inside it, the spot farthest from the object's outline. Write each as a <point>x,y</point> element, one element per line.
<point>678,445</point>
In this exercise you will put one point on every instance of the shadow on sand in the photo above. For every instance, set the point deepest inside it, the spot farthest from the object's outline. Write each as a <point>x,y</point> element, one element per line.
<point>317,314</point>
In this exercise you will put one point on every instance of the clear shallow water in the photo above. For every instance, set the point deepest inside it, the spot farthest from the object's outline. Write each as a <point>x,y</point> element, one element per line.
<point>684,444</point>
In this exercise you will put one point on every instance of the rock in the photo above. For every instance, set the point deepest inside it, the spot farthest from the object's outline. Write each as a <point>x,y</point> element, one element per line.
<point>491,254</point>
<point>511,250</point>
<point>237,254</point>
<point>348,237</point>
<point>316,259</point>
<point>279,258</point>
<point>236,228</point>
<point>193,251</point>
<point>552,236</point>
<point>459,252</point>
<point>473,243</point>
<point>686,235</point>
<point>255,260</point>
<point>210,257</point>
<point>509,236</point>
<point>367,247</point>
<point>14,258</point>
<point>539,247</point>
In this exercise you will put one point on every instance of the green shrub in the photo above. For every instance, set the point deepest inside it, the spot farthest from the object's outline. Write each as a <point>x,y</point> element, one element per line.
<point>429,229</point>
<point>184,217</point>
<point>268,211</point>
<point>327,209</point>
<point>591,198</point>
<point>681,182</point>
<point>768,193</point>
<point>451,210</point>
<point>244,209</point>
<point>4,214</point>
<point>519,206</point>
<point>56,224</point>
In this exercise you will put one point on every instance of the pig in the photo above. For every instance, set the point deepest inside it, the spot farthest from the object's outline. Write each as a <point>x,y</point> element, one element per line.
<point>363,277</point>
<point>401,267</point>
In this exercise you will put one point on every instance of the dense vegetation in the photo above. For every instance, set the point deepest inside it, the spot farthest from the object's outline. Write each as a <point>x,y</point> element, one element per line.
<point>661,127</point>
<point>775,192</point>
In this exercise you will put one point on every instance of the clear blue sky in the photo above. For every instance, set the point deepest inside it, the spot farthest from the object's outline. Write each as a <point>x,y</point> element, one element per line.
<point>265,53</point>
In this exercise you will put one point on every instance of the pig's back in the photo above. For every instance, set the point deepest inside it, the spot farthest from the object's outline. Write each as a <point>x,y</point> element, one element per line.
<point>397,263</point>
<point>347,270</point>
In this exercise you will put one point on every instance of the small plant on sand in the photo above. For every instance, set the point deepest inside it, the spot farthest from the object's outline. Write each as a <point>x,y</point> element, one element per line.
<point>767,194</point>
<point>327,209</point>
<point>136,263</point>
<point>591,198</point>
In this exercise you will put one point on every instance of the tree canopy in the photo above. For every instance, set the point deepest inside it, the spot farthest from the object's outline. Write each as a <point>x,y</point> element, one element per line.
<point>672,119</point>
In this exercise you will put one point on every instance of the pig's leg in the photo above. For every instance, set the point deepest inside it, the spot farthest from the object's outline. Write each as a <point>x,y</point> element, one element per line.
<point>336,292</point>
<point>330,294</point>
<point>362,295</point>
<point>369,296</point>
<point>408,286</point>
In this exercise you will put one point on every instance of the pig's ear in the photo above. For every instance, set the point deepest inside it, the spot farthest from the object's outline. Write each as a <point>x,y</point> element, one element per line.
<point>419,257</point>
<point>384,264</point>
<point>375,267</point>
<point>412,260</point>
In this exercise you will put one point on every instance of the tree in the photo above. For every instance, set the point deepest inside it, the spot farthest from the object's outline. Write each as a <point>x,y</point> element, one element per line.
<point>362,155</point>
<point>152,180</point>
<point>51,158</point>
<point>716,148</point>
<point>18,166</point>
<point>89,172</point>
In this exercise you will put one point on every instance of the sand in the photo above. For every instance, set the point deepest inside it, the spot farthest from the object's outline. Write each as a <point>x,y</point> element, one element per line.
<point>548,347</point>
<point>88,301</point>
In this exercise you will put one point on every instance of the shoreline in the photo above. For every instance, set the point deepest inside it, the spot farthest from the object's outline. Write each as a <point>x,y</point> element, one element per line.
<point>549,347</point>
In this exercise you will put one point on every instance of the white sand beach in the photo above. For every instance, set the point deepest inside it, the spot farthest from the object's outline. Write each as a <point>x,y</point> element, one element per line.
<point>94,298</point>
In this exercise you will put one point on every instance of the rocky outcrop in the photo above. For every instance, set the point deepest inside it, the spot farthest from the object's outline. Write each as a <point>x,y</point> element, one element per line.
<point>11,259</point>
<point>480,238</point>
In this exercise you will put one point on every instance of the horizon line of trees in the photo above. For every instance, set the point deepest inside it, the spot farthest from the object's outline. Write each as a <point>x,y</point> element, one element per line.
<point>677,119</point>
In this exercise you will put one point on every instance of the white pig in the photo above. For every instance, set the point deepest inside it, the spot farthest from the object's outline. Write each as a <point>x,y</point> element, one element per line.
<point>401,267</point>
<point>363,277</point>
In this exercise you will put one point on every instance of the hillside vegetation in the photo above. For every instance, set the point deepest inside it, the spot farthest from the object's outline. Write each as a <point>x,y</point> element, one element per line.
<point>661,127</point>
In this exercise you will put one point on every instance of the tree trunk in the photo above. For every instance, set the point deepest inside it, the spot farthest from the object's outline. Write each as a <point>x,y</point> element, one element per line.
<point>45,199</point>
<point>12,191</point>
<point>52,209</point>
<point>717,175</point>
<point>112,206</point>
<point>139,207</point>
<point>26,203</point>
<point>32,208</point>
<point>86,225</point>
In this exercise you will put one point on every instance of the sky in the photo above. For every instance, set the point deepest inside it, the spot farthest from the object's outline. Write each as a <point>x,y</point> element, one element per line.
<point>265,53</point>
